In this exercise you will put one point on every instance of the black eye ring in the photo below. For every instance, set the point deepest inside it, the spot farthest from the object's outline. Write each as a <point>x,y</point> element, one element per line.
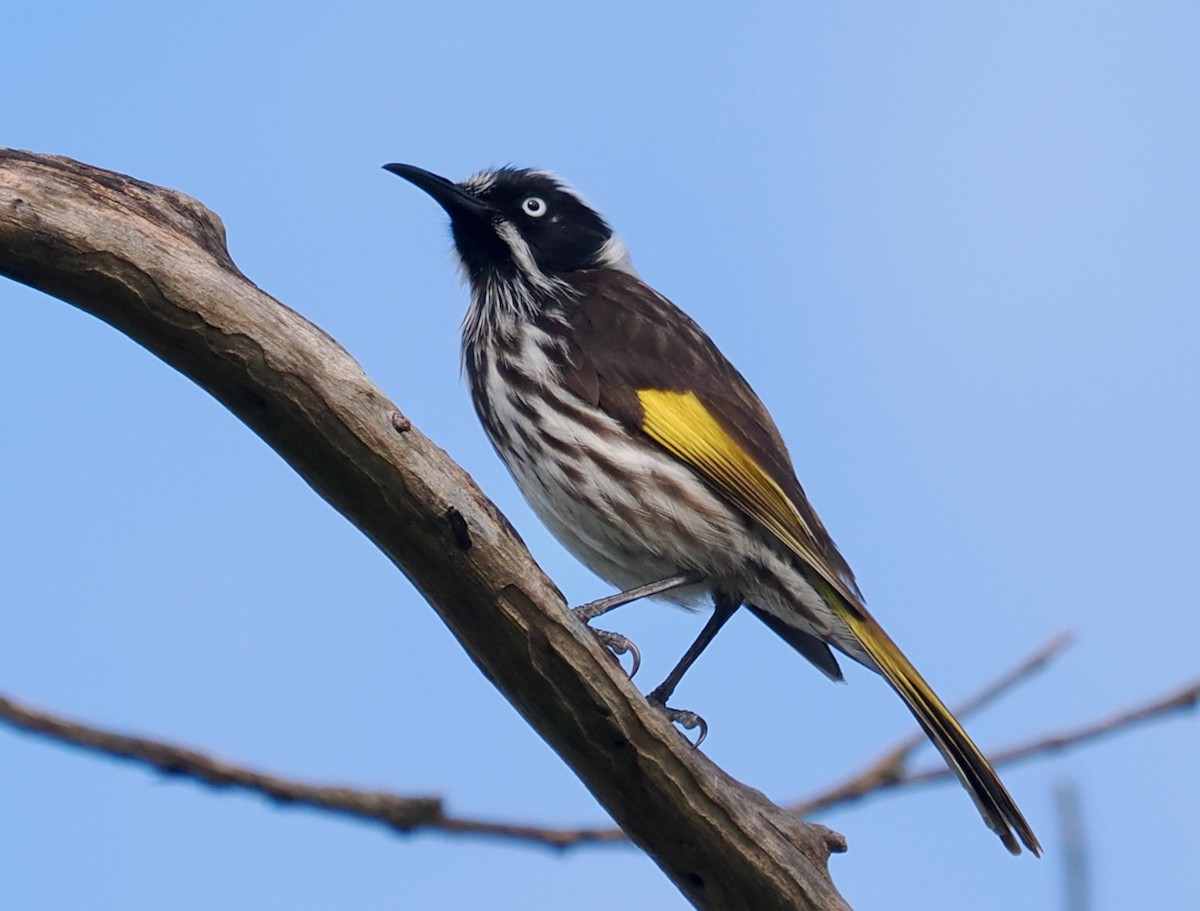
<point>534,206</point>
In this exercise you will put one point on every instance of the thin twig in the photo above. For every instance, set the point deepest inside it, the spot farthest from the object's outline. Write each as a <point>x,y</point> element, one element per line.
<point>1074,852</point>
<point>889,769</point>
<point>1184,699</point>
<point>402,813</point>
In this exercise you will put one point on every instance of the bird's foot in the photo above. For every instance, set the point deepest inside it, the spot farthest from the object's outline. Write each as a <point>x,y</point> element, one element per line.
<point>618,645</point>
<point>689,721</point>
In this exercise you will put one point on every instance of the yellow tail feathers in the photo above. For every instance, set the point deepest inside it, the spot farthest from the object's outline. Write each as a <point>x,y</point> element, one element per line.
<point>997,807</point>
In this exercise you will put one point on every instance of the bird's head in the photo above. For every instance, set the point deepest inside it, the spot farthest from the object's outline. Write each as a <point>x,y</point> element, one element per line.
<point>520,225</point>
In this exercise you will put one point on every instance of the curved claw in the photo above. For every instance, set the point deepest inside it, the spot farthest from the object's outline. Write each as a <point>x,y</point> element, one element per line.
<point>687,720</point>
<point>619,645</point>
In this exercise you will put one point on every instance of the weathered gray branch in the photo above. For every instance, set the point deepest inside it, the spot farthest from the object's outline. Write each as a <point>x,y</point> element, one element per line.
<point>153,263</point>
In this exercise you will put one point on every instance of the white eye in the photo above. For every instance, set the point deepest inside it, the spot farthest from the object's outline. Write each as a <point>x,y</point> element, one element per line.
<point>534,206</point>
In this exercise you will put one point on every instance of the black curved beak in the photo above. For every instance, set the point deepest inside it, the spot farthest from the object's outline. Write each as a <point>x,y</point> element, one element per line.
<point>450,196</point>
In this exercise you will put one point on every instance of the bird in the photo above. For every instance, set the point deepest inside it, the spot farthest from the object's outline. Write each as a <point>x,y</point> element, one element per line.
<point>648,455</point>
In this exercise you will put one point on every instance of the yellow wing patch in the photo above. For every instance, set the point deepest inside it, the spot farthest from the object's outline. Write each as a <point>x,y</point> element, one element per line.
<point>681,424</point>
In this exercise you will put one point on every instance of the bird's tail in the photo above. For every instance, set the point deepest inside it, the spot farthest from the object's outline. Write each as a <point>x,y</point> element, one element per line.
<point>995,804</point>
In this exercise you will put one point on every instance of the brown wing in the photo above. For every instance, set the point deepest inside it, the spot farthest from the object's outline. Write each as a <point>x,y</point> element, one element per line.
<point>627,338</point>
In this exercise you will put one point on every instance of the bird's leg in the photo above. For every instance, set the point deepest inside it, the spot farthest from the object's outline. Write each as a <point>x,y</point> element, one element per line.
<point>615,642</point>
<point>593,609</point>
<point>724,607</point>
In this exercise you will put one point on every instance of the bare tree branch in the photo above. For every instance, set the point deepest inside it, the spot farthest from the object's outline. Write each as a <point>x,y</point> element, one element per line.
<point>409,814</point>
<point>153,263</point>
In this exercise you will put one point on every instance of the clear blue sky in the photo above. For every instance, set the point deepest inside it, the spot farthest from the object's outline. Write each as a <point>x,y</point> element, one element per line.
<point>953,246</point>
